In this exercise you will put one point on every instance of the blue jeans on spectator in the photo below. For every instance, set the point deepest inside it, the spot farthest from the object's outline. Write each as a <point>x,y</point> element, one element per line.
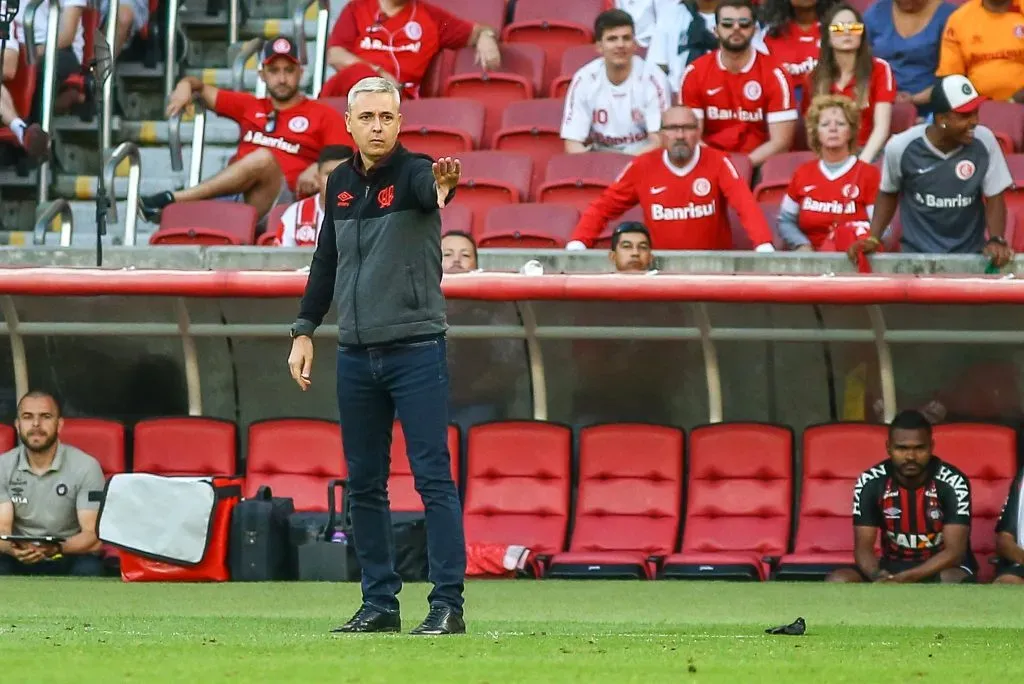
<point>76,566</point>
<point>410,379</point>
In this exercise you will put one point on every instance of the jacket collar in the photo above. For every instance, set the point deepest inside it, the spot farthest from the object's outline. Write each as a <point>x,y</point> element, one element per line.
<point>382,163</point>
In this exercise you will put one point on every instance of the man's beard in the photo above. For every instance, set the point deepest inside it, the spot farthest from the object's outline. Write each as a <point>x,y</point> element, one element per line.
<point>742,47</point>
<point>287,97</point>
<point>45,446</point>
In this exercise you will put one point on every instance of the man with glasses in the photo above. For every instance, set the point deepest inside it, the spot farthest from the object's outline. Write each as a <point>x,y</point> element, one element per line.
<point>615,102</point>
<point>685,190</point>
<point>281,137</point>
<point>743,98</point>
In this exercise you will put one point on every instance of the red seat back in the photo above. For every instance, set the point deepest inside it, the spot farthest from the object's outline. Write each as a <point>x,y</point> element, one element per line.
<point>630,489</point>
<point>574,58</point>
<point>295,457</point>
<point>273,223</point>
<point>517,484</point>
<point>231,221</point>
<point>185,446</point>
<point>987,455</point>
<point>8,438</point>
<point>492,178</point>
<point>904,116</point>
<point>487,12</point>
<point>545,226</point>
<point>441,127</point>
<point>834,456</point>
<point>456,217</point>
<point>776,173</point>
<point>1006,119</point>
<point>533,127</point>
<point>101,439</point>
<point>579,179</point>
<point>554,27</point>
<point>739,495</point>
<point>518,78</point>
<point>401,483</point>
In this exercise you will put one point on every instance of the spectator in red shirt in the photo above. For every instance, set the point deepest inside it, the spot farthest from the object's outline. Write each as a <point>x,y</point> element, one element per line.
<point>744,98</point>
<point>397,39</point>
<point>847,68</point>
<point>685,190</point>
<point>282,136</point>
<point>792,33</point>
<point>828,193</point>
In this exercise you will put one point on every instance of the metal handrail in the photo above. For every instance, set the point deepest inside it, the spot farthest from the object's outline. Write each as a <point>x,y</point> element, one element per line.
<point>195,170</point>
<point>233,11</point>
<point>170,70</point>
<point>107,108</point>
<point>245,51</point>
<point>49,76</point>
<point>58,207</point>
<point>299,33</point>
<point>129,151</point>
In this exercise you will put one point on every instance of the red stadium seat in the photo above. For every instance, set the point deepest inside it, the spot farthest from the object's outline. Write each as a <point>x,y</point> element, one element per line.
<point>519,77</point>
<point>22,89</point>
<point>401,484</point>
<point>604,240</point>
<point>1015,194</point>
<point>295,457</point>
<point>441,127</point>
<point>185,446</point>
<point>739,502</point>
<point>776,173</point>
<point>579,179</point>
<point>101,439</point>
<point>987,455</point>
<point>207,222</point>
<point>834,456</point>
<point>1006,119</point>
<point>537,226</point>
<point>554,27</point>
<point>492,178</point>
<point>517,485</point>
<point>487,12</point>
<point>628,502</point>
<point>8,438</point>
<point>744,168</point>
<point>904,116</point>
<point>273,223</point>
<point>456,217</point>
<point>535,128</point>
<point>573,59</point>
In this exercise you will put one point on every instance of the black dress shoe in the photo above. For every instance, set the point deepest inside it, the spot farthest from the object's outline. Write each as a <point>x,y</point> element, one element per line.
<point>441,620</point>
<point>370,619</point>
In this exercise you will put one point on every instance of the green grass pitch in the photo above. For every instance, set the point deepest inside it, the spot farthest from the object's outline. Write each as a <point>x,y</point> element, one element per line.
<point>520,631</point>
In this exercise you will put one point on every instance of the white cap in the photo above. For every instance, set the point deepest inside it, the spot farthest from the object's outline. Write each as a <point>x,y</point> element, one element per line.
<point>955,94</point>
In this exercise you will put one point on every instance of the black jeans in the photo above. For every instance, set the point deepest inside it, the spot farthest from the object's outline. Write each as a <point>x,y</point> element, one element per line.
<point>77,566</point>
<point>373,384</point>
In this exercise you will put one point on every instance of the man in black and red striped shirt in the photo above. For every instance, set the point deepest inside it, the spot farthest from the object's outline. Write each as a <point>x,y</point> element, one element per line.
<point>921,504</point>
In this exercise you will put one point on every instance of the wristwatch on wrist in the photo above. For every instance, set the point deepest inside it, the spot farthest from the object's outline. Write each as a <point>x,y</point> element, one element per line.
<point>998,239</point>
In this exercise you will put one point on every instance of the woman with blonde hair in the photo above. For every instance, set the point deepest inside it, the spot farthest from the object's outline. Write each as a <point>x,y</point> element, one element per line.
<point>834,194</point>
<point>847,67</point>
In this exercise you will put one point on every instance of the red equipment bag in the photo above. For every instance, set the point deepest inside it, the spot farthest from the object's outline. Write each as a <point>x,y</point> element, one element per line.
<point>169,529</point>
<point>496,560</point>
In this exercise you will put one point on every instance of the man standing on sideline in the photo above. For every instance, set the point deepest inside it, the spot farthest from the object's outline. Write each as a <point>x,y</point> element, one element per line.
<point>379,257</point>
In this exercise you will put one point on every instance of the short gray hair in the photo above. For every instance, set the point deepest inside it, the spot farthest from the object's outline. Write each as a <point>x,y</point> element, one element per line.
<point>373,84</point>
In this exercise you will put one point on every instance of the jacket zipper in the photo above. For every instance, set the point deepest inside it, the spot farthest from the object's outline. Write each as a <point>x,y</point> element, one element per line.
<point>359,264</point>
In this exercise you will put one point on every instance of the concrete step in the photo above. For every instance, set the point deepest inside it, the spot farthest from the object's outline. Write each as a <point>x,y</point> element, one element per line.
<point>224,78</point>
<point>219,131</point>
<point>84,222</point>
<point>203,27</point>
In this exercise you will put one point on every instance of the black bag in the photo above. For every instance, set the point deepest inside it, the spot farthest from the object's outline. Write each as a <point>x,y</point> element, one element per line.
<point>410,535</point>
<point>258,550</point>
<point>322,548</point>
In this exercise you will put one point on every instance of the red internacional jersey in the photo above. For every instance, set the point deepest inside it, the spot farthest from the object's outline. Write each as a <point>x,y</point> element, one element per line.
<point>795,49</point>
<point>824,200</point>
<point>684,208</point>
<point>737,108</point>
<point>295,135</point>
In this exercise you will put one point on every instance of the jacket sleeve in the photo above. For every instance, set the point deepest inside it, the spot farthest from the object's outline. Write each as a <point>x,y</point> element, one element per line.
<point>422,181</point>
<point>740,198</point>
<point>613,202</point>
<point>316,301</point>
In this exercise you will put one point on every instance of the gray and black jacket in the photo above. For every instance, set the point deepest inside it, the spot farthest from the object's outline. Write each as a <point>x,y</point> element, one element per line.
<point>378,255</point>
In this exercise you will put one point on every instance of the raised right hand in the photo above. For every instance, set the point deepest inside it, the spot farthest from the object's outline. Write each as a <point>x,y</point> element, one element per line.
<point>300,361</point>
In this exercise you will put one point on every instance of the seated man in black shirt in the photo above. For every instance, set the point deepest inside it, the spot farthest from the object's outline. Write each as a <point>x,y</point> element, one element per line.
<point>1009,541</point>
<point>922,506</point>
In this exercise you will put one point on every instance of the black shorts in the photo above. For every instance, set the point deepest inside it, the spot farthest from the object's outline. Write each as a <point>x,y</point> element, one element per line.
<point>1007,568</point>
<point>894,567</point>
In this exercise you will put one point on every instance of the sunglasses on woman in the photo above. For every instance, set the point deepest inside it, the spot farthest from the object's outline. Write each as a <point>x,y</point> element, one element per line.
<point>741,23</point>
<point>852,27</point>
